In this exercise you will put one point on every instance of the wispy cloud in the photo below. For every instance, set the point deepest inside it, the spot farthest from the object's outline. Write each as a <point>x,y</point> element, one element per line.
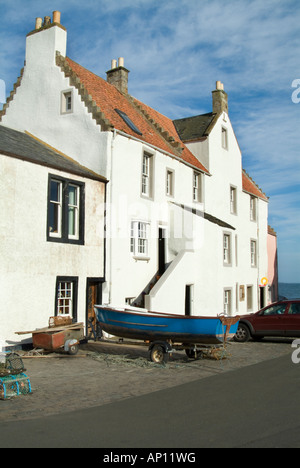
<point>175,51</point>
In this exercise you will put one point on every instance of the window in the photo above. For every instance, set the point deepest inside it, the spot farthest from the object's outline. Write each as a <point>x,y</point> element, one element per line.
<point>242,293</point>
<point>197,187</point>
<point>66,102</point>
<point>65,211</point>
<point>139,239</point>
<point>294,309</point>
<point>73,211</point>
<point>233,200</point>
<point>253,253</point>
<point>227,302</point>
<point>147,175</point>
<point>274,310</point>
<point>170,183</point>
<point>128,121</point>
<point>66,297</point>
<point>253,202</point>
<point>55,209</point>
<point>226,249</point>
<point>249,298</point>
<point>224,138</point>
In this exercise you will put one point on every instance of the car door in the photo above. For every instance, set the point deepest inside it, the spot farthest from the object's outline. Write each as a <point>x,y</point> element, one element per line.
<point>292,325</point>
<point>270,321</point>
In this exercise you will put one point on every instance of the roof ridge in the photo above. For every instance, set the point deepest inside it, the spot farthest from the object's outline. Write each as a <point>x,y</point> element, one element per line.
<point>12,94</point>
<point>87,99</point>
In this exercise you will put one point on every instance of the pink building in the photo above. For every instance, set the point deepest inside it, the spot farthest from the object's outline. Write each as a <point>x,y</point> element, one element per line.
<point>272,265</point>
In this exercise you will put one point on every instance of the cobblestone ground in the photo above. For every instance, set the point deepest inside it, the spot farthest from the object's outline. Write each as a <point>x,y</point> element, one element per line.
<point>102,373</point>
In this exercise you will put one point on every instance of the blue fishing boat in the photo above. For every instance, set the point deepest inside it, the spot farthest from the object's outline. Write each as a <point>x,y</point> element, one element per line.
<point>139,324</point>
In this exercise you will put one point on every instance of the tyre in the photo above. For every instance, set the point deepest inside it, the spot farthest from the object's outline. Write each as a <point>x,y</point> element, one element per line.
<point>158,355</point>
<point>73,349</point>
<point>243,334</point>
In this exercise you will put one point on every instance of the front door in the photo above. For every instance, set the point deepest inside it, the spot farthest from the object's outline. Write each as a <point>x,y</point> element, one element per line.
<point>94,296</point>
<point>161,251</point>
<point>189,300</point>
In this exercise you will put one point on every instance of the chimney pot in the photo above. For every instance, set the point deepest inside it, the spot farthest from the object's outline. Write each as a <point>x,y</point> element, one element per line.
<point>113,64</point>
<point>38,23</point>
<point>121,62</point>
<point>47,20</point>
<point>220,99</point>
<point>56,17</point>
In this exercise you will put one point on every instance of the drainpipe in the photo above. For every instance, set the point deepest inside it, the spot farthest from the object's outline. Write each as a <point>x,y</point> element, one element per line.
<point>109,212</point>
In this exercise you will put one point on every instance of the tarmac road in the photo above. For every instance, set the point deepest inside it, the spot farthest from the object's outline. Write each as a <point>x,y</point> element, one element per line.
<point>255,406</point>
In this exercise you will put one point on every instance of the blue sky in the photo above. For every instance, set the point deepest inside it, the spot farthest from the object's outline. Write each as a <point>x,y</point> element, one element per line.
<point>176,50</point>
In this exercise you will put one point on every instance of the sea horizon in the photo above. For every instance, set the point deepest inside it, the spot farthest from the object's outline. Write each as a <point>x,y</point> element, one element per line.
<point>288,290</point>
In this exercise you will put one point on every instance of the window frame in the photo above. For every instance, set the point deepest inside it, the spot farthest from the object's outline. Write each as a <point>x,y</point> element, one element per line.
<point>253,254</point>
<point>224,138</point>
<point>63,235</point>
<point>65,96</point>
<point>227,301</point>
<point>250,291</point>
<point>197,187</point>
<point>170,182</point>
<point>73,280</point>
<point>233,200</point>
<point>253,208</point>
<point>147,175</point>
<point>227,261</point>
<point>139,239</point>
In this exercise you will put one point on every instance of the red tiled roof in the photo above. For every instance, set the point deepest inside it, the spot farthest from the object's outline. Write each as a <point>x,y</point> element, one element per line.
<point>250,186</point>
<point>157,129</point>
<point>108,98</point>
<point>168,125</point>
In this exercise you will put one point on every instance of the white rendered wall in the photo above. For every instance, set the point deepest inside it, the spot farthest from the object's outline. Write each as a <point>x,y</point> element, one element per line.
<point>225,167</point>
<point>36,106</point>
<point>29,264</point>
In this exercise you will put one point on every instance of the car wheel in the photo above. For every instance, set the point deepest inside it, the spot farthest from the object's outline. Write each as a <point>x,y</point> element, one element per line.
<point>243,334</point>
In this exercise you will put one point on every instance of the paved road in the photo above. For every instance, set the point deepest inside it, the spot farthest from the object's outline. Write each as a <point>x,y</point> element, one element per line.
<point>252,406</point>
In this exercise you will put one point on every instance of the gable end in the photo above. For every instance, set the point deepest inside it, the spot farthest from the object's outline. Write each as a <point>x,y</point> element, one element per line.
<point>87,99</point>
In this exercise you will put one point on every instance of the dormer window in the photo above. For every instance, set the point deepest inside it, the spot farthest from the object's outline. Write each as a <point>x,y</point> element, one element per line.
<point>66,102</point>
<point>128,121</point>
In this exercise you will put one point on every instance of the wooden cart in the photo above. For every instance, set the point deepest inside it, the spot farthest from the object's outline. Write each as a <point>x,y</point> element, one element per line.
<point>54,338</point>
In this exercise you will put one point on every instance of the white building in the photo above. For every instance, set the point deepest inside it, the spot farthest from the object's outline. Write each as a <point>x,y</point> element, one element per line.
<point>51,236</point>
<point>186,227</point>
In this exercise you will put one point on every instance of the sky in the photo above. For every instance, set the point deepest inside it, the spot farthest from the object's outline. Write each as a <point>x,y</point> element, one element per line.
<point>176,50</point>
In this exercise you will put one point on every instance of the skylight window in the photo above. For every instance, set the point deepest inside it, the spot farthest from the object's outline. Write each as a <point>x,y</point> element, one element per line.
<point>128,121</point>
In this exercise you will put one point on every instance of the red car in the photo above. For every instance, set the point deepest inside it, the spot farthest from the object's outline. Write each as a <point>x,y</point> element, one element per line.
<point>278,319</point>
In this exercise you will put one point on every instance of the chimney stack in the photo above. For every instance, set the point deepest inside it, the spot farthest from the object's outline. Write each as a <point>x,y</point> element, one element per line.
<point>118,75</point>
<point>220,99</point>
<point>44,41</point>
<point>39,23</point>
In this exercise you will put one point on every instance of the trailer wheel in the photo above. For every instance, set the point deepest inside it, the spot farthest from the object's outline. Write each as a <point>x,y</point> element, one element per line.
<point>73,349</point>
<point>158,354</point>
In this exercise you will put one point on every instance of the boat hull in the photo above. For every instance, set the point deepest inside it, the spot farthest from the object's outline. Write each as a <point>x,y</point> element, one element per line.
<point>152,326</point>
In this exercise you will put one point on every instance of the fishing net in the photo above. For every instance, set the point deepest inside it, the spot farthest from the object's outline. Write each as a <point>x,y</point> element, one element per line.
<point>13,381</point>
<point>14,363</point>
<point>13,385</point>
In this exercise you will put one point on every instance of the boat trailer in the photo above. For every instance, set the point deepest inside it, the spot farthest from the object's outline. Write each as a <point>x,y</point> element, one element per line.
<point>159,352</point>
